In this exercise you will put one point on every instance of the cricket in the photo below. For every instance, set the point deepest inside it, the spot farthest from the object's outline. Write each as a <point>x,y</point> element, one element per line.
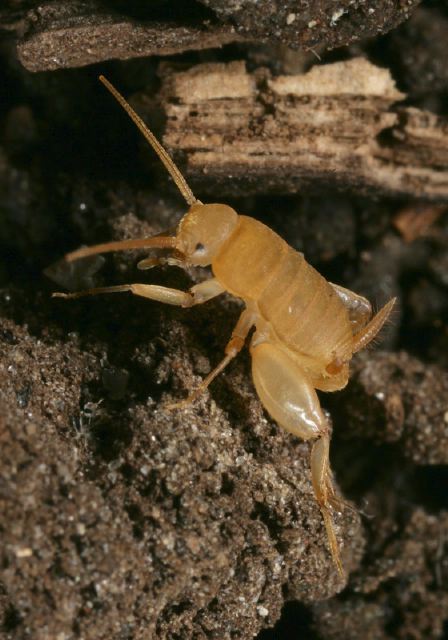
<point>306,329</point>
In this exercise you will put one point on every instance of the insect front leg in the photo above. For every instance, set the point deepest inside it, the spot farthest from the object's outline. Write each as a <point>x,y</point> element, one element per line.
<point>289,397</point>
<point>198,294</point>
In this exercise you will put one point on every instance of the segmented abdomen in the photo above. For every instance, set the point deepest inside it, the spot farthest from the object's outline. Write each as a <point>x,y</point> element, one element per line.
<point>301,306</point>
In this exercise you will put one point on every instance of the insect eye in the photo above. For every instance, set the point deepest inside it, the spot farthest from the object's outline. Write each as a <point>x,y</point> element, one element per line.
<point>199,248</point>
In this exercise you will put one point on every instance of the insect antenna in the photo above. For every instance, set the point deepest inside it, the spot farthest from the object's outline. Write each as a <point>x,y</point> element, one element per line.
<point>172,169</point>
<point>156,242</point>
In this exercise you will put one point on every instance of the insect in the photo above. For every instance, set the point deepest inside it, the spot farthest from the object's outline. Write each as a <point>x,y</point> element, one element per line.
<point>306,328</point>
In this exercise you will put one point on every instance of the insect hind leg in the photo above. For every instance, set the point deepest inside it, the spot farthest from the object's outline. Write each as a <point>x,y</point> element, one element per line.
<point>325,494</point>
<point>289,397</point>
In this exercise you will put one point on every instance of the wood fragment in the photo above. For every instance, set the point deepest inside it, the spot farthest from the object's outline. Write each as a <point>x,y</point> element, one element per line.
<point>72,34</point>
<point>340,124</point>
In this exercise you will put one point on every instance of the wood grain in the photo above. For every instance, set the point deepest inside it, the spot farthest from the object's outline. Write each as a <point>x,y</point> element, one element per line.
<point>340,124</point>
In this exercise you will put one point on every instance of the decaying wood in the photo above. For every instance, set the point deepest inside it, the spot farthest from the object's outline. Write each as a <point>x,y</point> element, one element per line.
<point>75,34</point>
<point>71,33</point>
<point>341,124</point>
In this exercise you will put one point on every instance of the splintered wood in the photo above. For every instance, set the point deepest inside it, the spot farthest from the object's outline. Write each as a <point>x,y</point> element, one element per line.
<point>339,124</point>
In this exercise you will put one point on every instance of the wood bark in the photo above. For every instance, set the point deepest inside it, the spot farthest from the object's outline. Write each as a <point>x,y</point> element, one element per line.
<point>73,33</point>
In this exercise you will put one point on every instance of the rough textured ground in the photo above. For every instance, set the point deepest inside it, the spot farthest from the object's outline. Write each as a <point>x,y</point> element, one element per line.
<point>301,23</point>
<point>120,519</point>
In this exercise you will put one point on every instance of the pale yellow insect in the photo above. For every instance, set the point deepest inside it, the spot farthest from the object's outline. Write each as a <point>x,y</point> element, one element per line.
<point>306,328</point>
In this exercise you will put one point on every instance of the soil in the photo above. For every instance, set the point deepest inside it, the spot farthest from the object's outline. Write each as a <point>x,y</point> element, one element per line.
<point>120,518</point>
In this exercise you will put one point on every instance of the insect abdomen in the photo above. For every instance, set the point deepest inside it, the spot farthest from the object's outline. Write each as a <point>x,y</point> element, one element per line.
<point>301,306</point>
<point>305,311</point>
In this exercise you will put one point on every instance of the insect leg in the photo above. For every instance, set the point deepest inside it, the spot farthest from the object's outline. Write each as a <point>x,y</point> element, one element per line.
<point>324,491</point>
<point>289,397</point>
<point>233,347</point>
<point>196,295</point>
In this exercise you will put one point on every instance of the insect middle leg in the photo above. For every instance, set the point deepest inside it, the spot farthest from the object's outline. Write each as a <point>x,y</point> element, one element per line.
<point>232,349</point>
<point>289,397</point>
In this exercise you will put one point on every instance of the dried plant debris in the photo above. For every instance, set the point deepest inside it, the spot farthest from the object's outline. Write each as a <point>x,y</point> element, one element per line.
<point>339,123</point>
